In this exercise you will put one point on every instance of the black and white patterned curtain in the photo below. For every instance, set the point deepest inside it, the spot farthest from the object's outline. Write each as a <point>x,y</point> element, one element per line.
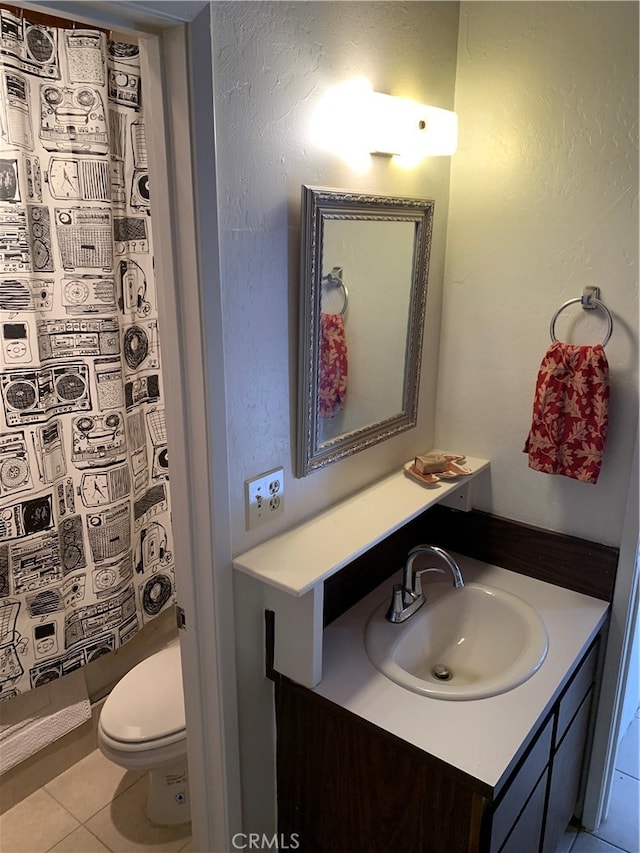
<point>85,538</point>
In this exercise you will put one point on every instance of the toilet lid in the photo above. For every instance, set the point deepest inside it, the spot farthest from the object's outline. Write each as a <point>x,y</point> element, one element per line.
<point>148,703</point>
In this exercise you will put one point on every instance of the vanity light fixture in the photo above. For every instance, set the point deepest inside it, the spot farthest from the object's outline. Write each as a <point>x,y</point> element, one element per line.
<point>353,122</point>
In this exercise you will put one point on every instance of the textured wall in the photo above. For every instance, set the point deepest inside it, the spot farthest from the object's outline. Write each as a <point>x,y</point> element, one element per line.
<point>273,62</point>
<point>543,202</point>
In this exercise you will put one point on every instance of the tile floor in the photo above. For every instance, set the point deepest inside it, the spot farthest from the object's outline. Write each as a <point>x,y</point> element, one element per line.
<point>95,806</point>
<point>619,832</point>
<point>92,807</point>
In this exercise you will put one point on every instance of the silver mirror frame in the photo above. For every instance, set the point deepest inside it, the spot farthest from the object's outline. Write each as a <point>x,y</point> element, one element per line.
<point>318,205</point>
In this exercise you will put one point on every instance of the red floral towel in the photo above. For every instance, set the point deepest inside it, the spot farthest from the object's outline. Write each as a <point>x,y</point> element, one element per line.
<point>332,377</point>
<point>570,412</point>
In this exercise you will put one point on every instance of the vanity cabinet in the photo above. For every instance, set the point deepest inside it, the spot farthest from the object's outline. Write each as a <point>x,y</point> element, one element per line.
<point>345,784</point>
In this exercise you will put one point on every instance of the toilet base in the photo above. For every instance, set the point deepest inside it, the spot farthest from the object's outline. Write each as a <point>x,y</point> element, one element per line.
<point>168,801</point>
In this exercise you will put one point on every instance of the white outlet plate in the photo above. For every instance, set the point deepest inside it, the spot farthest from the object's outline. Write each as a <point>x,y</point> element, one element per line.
<point>264,497</point>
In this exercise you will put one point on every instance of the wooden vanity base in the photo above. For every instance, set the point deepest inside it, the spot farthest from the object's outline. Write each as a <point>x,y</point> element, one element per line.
<point>347,785</point>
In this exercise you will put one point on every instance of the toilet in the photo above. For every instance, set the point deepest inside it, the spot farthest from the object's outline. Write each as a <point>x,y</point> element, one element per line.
<point>142,727</point>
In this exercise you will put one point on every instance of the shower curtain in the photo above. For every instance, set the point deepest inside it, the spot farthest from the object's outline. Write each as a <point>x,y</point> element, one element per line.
<point>85,535</point>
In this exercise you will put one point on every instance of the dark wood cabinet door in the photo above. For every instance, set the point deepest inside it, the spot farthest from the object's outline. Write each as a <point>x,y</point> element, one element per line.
<point>566,774</point>
<point>344,785</point>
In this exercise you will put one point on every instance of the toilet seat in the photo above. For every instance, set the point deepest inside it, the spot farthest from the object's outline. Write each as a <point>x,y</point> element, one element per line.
<point>146,708</point>
<point>143,756</point>
<point>116,745</point>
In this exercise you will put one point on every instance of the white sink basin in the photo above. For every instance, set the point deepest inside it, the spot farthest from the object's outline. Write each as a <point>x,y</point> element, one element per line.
<point>488,641</point>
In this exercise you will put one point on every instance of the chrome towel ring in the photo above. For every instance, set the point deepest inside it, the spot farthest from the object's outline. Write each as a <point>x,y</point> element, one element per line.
<point>334,279</point>
<point>588,301</point>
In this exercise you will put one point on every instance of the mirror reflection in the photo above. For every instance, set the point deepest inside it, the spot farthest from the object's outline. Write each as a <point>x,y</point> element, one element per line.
<point>364,276</point>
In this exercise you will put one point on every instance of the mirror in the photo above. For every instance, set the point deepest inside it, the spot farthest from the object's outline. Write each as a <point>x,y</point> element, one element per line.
<point>364,266</point>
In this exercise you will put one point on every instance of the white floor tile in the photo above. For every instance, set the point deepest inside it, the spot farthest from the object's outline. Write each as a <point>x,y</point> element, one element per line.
<point>35,824</point>
<point>621,826</point>
<point>32,774</point>
<point>80,841</point>
<point>586,843</point>
<point>628,758</point>
<point>123,825</point>
<point>90,785</point>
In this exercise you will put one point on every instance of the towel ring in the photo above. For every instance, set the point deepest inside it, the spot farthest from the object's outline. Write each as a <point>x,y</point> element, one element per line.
<point>334,279</point>
<point>592,301</point>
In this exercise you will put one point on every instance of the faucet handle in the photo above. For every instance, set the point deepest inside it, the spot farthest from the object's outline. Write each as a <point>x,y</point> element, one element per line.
<point>397,603</point>
<point>417,580</point>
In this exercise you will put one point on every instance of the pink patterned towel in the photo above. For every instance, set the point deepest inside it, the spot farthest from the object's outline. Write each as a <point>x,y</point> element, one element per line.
<point>332,376</point>
<point>570,412</point>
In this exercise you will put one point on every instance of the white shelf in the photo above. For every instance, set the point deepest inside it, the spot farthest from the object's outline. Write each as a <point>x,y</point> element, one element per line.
<point>299,559</point>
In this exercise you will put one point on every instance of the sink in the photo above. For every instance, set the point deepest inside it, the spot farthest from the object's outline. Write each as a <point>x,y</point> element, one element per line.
<point>481,640</point>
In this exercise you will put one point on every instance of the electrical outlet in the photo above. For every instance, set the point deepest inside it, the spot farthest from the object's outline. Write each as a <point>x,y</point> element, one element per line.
<point>264,497</point>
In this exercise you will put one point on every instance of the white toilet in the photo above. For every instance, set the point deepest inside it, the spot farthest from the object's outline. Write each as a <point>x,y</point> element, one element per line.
<point>142,727</point>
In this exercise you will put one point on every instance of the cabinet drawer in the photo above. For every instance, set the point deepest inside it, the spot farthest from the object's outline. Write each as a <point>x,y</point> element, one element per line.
<point>525,834</point>
<point>575,693</point>
<point>566,774</point>
<point>521,787</point>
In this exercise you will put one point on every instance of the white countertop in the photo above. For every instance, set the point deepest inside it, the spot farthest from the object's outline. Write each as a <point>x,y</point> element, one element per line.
<point>481,737</point>
<point>299,559</point>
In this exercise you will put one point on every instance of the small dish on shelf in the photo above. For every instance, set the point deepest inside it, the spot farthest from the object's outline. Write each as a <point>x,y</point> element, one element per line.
<point>454,469</point>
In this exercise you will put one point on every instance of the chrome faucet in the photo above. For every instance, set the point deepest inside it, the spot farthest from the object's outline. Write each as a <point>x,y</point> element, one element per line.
<point>407,596</point>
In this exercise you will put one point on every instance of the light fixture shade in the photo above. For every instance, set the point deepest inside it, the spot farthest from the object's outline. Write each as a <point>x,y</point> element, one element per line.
<point>410,130</point>
<point>353,121</point>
